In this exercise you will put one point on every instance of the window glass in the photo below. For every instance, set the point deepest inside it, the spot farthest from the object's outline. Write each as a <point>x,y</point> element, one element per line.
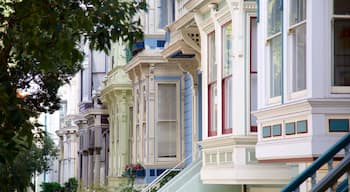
<point>163,13</point>
<point>211,59</point>
<point>167,139</point>
<point>341,52</point>
<point>228,104</point>
<point>167,120</point>
<point>276,67</point>
<point>274,17</point>
<point>297,11</point>
<point>227,50</point>
<point>167,101</point>
<point>299,58</point>
<point>212,109</point>
<point>341,7</point>
<point>253,73</point>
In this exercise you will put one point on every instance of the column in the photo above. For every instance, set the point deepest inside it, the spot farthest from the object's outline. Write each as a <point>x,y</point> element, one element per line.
<point>123,133</point>
<point>85,168</point>
<point>90,168</point>
<point>97,167</point>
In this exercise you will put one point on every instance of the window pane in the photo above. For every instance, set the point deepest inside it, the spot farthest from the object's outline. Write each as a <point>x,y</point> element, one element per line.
<point>276,67</point>
<point>274,17</point>
<point>298,11</point>
<point>163,12</point>
<point>253,43</point>
<point>341,7</point>
<point>166,101</point>
<point>299,58</point>
<point>227,50</point>
<point>228,103</point>
<point>341,52</point>
<point>253,97</point>
<point>213,108</point>
<point>211,59</point>
<point>167,139</point>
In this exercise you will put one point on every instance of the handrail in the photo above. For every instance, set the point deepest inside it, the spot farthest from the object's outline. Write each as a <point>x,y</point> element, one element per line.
<point>343,186</point>
<point>333,175</point>
<point>164,174</point>
<point>324,158</point>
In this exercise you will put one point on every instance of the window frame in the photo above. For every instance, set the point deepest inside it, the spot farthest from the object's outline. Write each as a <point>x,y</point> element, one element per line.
<point>292,29</point>
<point>224,78</point>
<point>253,128</point>
<point>177,121</point>
<point>211,83</point>
<point>269,40</point>
<point>334,16</point>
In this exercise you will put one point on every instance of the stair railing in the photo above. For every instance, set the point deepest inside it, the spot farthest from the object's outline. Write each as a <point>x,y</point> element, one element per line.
<point>156,181</point>
<point>327,157</point>
<point>332,177</point>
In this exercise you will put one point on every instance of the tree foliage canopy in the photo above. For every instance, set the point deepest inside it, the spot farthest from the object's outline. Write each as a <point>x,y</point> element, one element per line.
<point>40,50</point>
<point>16,176</point>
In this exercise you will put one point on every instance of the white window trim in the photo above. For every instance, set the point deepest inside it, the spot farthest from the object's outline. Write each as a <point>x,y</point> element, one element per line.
<point>248,71</point>
<point>340,89</point>
<point>178,138</point>
<point>270,100</point>
<point>301,93</point>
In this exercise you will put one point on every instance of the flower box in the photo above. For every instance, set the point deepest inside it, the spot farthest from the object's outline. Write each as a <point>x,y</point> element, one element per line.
<point>140,173</point>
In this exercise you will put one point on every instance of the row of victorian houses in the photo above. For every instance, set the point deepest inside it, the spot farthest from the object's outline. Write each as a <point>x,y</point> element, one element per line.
<point>242,95</point>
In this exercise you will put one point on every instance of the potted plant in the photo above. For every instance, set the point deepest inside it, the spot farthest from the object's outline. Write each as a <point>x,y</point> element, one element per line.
<point>134,170</point>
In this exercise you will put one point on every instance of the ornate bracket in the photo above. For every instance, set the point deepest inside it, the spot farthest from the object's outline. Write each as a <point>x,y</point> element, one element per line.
<point>187,65</point>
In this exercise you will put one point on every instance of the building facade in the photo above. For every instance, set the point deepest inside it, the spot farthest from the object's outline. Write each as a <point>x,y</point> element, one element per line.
<point>303,100</point>
<point>92,121</point>
<point>239,94</point>
<point>68,131</point>
<point>117,96</point>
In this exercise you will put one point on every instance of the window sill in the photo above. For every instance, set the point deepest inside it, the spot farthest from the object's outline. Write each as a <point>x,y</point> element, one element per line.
<point>274,100</point>
<point>212,133</point>
<point>340,89</point>
<point>298,94</point>
<point>165,159</point>
<point>226,131</point>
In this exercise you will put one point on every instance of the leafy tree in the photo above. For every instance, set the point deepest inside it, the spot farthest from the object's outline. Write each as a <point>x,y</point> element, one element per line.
<point>51,187</point>
<point>71,185</point>
<point>36,160</point>
<point>40,50</point>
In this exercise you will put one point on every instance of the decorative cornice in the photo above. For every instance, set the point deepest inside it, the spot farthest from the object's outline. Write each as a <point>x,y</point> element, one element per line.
<point>250,5</point>
<point>194,4</point>
<point>146,56</point>
<point>208,25</point>
<point>95,111</point>
<point>236,5</point>
<point>315,106</point>
<point>182,22</point>
<point>225,141</point>
<point>223,16</point>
